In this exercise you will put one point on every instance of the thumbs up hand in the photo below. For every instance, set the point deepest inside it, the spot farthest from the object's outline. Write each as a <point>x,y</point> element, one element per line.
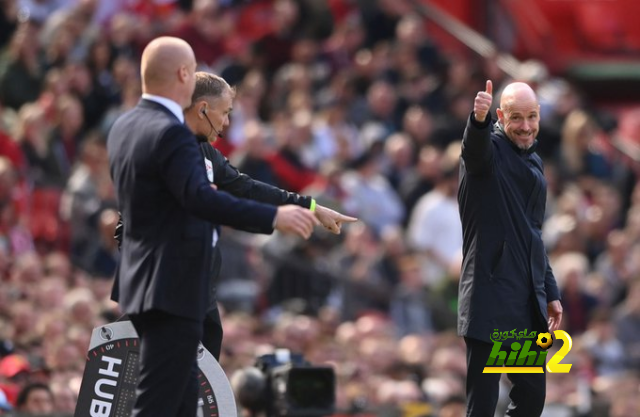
<point>482,103</point>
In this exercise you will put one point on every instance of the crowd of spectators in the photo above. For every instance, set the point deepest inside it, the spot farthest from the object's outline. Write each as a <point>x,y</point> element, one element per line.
<point>351,102</point>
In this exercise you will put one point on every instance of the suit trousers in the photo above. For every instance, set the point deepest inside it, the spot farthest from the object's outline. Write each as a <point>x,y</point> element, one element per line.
<point>527,392</point>
<point>212,331</point>
<point>168,380</point>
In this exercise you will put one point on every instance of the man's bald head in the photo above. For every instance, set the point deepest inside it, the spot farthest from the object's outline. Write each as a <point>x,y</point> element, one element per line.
<point>167,68</point>
<point>516,92</point>
<point>519,114</point>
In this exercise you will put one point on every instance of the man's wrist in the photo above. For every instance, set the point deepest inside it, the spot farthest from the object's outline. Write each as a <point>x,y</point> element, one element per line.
<point>480,124</point>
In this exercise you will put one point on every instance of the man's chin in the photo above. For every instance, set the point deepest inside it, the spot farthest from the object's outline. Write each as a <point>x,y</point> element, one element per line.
<point>524,144</point>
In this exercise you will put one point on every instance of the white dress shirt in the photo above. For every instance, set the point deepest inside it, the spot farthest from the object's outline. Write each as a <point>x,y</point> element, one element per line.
<point>171,105</point>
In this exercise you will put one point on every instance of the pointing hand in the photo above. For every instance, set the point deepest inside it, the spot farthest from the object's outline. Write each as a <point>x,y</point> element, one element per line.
<point>332,220</point>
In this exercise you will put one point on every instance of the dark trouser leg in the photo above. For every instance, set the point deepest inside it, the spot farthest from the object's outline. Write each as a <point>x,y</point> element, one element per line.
<point>167,385</point>
<point>212,330</point>
<point>527,395</point>
<point>482,389</point>
<point>528,391</point>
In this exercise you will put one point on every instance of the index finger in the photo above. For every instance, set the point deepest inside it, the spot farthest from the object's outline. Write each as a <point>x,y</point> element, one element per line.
<point>489,88</point>
<point>348,219</point>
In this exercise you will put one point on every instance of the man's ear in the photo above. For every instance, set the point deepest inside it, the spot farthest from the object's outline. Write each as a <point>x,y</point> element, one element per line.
<point>183,73</point>
<point>500,114</point>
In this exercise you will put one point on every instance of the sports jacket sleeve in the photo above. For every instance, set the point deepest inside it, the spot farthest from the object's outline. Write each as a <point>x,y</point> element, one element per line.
<point>229,179</point>
<point>477,150</point>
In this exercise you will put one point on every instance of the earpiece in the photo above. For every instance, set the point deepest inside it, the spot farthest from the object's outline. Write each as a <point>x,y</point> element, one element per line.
<point>203,111</point>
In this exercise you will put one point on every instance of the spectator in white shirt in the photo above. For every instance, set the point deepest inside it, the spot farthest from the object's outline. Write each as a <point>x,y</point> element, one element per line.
<point>434,229</point>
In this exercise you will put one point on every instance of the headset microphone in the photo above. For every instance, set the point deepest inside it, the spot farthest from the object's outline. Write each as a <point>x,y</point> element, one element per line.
<point>204,112</point>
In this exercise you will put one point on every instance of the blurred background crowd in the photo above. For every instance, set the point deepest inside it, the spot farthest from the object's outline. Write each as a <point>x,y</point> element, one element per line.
<point>354,103</point>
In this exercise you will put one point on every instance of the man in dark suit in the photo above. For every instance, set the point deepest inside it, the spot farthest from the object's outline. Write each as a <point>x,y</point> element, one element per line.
<point>506,281</point>
<point>168,208</point>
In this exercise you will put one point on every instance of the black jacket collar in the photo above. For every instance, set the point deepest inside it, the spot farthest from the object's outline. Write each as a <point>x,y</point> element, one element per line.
<point>201,138</point>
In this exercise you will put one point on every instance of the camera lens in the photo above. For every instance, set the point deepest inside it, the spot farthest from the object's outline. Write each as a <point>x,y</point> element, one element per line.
<point>311,388</point>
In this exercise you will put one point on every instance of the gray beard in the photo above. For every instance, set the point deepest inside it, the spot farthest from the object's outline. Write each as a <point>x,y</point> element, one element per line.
<point>523,147</point>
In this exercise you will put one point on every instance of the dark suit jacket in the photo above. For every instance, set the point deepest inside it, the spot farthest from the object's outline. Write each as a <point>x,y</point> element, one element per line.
<point>168,208</point>
<point>506,281</point>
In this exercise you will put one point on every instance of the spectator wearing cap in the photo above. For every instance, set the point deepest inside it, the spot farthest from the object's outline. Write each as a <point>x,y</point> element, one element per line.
<point>13,365</point>
<point>14,369</point>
